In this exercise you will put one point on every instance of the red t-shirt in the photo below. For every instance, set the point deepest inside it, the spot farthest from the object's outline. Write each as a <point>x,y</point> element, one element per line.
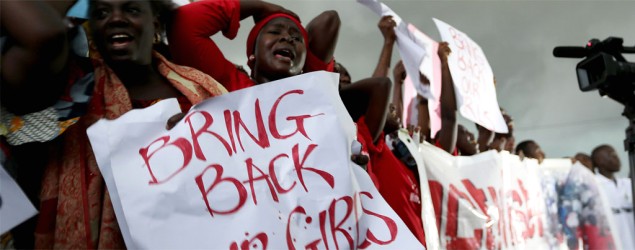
<point>190,43</point>
<point>438,145</point>
<point>361,128</point>
<point>397,184</point>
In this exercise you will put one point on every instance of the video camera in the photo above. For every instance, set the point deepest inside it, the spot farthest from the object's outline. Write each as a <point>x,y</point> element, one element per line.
<point>604,68</point>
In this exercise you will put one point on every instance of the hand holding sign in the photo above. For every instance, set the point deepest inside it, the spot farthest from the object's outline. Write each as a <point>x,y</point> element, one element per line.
<point>411,53</point>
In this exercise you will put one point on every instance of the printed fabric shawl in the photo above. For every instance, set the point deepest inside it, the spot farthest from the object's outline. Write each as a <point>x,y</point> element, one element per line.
<point>75,210</point>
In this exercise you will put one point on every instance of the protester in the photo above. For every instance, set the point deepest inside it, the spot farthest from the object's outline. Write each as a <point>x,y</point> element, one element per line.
<point>617,191</point>
<point>530,149</point>
<point>26,45</point>
<point>395,181</point>
<point>419,129</point>
<point>466,144</point>
<point>277,47</point>
<point>345,77</point>
<point>584,159</point>
<point>32,77</point>
<point>490,140</point>
<point>75,210</point>
<point>447,136</point>
<point>485,138</point>
<point>504,141</point>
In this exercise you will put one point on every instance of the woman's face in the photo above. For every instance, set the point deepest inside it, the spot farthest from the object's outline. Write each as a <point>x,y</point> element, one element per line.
<point>123,30</point>
<point>280,49</point>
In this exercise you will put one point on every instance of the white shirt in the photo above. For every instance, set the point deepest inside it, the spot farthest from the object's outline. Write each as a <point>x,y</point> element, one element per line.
<point>620,201</point>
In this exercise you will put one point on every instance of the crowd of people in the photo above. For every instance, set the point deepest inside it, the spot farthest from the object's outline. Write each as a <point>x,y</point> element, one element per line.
<point>131,54</point>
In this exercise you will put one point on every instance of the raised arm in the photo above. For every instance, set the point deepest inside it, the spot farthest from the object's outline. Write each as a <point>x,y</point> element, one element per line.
<point>398,76</point>
<point>448,132</point>
<point>189,36</point>
<point>387,27</point>
<point>36,56</point>
<point>369,98</point>
<point>323,33</point>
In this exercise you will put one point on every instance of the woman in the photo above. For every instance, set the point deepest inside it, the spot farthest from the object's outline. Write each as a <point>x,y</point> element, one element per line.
<point>278,46</point>
<point>76,211</point>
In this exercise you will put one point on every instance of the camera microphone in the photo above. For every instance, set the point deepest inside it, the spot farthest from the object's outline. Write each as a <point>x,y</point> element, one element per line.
<point>571,51</point>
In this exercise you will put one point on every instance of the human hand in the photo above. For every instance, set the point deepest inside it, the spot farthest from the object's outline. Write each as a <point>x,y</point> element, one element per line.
<point>357,156</point>
<point>387,27</point>
<point>444,51</point>
<point>174,120</point>
<point>399,72</point>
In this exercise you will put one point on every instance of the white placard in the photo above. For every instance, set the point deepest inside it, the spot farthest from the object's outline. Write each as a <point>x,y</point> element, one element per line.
<point>473,79</point>
<point>15,207</point>
<point>264,167</point>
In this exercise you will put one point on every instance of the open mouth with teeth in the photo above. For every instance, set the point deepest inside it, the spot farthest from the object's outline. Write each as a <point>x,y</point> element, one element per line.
<point>285,54</point>
<point>119,40</point>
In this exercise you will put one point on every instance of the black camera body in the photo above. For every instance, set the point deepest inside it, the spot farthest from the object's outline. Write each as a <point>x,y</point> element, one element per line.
<point>604,68</point>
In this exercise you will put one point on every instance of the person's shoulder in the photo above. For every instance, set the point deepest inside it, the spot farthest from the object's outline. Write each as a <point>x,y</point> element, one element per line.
<point>624,181</point>
<point>601,179</point>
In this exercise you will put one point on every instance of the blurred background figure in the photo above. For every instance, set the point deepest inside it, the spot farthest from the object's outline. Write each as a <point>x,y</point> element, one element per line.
<point>618,193</point>
<point>530,149</point>
<point>584,159</point>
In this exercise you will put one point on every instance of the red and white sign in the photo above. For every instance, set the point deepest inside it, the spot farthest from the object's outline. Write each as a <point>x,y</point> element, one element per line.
<point>266,167</point>
<point>473,79</point>
<point>495,201</point>
<point>487,201</point>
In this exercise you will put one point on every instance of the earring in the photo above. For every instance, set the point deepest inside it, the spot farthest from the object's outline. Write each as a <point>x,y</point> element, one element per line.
<point>157,38</point>
<point>252,57</point>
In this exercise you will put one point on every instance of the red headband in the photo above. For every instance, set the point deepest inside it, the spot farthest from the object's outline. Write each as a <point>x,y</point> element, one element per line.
<point>253,34</point>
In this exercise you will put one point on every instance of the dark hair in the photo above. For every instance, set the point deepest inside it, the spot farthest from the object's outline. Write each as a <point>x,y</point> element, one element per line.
<point>163,9</point>
<point>596,151</point>
<point>524,146</point>
<point>160,8</point>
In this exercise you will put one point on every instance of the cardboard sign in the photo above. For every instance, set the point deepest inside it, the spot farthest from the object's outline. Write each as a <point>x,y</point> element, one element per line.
<point>473,79</point>
<point>265,167</point>
<point>15,207</point>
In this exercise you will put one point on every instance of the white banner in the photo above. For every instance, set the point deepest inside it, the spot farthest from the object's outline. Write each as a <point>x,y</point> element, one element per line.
<point>15,207</point>
<point>264,167</point>
<point>473,79</point>
<point>487,201</point>
<point>495,201</point>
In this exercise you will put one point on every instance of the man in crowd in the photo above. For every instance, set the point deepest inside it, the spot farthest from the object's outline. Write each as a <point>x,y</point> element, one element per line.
<point>530,149</point>
<point>618,194</point>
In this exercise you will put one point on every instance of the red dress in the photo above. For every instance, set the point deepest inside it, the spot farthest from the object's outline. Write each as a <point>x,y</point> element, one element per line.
<point>397,184</point>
